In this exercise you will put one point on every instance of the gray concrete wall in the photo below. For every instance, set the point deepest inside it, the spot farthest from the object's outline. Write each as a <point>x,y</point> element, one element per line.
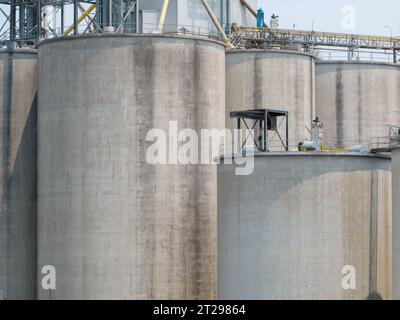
<point>287,230</point>
<point>357,100</point>
<point>279,80</point>
<point>113,225</point>
<point>18,120</point>
<point>396,221</point>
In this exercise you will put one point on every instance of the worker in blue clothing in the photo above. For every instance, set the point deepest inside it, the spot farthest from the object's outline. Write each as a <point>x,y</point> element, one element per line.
<point>260,18</point>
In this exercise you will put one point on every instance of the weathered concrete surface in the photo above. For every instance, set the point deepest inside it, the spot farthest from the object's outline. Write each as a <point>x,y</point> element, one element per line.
<point>272,79</point>
<point>113,225</point>
<point>396,221</point>
<point>357,100</point>
<point>287,230</point>
<point>18,146</point>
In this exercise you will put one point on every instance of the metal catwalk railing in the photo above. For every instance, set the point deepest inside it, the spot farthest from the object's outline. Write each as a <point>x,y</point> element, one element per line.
<point>315,41</point>
<point>381,144</point>
<point>314,38</point>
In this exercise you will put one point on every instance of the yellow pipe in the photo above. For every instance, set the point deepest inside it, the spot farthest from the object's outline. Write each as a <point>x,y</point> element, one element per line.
<point>217,24</point>
<point>334,150</point>
<point>163,15</point>
<point>90,18</point>
<point>248,7</point>
<point>81,18</point>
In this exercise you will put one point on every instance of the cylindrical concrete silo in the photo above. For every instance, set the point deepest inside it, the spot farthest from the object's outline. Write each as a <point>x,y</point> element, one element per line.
<point>272,79</point>
<point>18,119</point>
<point>290,229</point>
<point>357,100</point>
<point>396,220</point>
<point>113,225</point>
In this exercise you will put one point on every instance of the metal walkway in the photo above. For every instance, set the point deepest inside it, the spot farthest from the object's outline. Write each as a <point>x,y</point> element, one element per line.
<point>261,38</point>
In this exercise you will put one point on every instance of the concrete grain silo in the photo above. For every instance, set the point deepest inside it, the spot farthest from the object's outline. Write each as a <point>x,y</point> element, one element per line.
<point>18,208</point>
<point>272,79</point>
<point>357,100</point>
<point>396,220</point>
<point>298,225</point>
<point>113,225</point>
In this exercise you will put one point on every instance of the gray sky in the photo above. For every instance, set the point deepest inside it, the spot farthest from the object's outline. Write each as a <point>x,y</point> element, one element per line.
<point>370,15</point>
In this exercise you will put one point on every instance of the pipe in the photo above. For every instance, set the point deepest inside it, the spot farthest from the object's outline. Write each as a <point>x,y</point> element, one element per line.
<point>217,24</point>
<point>81,18</point>
<point>163,15</point>
<point>76,31</point>
<point>134,5</point>
<point>245,4</point>
<point>91,20</point>
<point>137,15</point>
<point>110,13</point>
<point>13,20</point>
<point>62,18</point>
<point>22,21</point>
<point>39,19</point>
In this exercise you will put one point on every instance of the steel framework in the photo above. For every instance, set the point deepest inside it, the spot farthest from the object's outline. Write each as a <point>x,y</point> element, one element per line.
<point>264,120</point>
<point>26,22</point>
<point>311,40</point>
<point>384,144</point>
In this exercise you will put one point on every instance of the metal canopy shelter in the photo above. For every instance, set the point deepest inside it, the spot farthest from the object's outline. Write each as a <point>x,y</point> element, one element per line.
<point>266,120</point>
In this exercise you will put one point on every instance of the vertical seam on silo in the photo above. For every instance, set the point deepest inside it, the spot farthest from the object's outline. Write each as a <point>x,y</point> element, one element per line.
<point>339,107</point>
<point>373,259</point>
<point>197,218</point>
<point>359,110</point>
<point>313,89</point>
<point>256,84</point>
<point>6,134</point>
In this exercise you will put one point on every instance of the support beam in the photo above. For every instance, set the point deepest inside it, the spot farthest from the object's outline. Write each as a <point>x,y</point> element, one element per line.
<point>245,4</point>
<point>130,10</point>
<point>75,26</point>
<point>13,21</point>
<point>22,18</point>
<point>62,18</point>
<point>217,24</point>
<point>81,18</point>
<point>39,19</point>
<point>110,12</point>
<point>163,15</point>
<point>137,16</point>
